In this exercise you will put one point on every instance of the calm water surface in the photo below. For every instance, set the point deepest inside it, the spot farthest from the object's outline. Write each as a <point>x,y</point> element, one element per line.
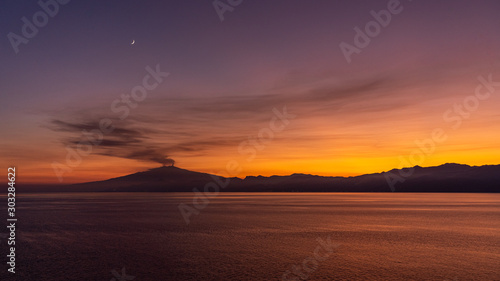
<point>256,236</point>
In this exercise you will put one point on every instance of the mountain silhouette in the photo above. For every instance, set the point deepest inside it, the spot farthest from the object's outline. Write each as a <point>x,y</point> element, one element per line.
<point>444,178</point>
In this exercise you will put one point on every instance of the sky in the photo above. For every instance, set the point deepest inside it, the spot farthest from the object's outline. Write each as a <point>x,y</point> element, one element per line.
<point>263,84</point>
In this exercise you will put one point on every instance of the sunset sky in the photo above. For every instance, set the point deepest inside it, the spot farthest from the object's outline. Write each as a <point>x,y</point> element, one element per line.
<point>227,79</point>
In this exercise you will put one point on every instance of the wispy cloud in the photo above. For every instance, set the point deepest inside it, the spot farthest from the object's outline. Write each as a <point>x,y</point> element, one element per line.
<point>192,127</point>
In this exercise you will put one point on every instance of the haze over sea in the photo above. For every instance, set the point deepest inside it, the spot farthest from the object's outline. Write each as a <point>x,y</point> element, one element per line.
<point>257,236</point>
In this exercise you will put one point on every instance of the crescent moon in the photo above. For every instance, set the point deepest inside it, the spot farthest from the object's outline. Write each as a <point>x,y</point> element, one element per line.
<point>133,42</point>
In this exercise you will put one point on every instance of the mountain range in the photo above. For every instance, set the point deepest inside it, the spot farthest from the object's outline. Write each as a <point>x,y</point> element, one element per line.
<point>443,178</point>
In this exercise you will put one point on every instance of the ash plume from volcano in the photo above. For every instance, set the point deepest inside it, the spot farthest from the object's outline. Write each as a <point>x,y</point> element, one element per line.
<point>123,142</point>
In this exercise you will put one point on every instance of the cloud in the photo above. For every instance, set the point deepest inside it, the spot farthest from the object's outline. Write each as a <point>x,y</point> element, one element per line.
<point>197,126</point>
<point>130,143</point>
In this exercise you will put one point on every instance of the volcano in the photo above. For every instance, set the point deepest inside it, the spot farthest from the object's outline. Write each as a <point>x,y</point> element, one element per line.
<point>444,178</point>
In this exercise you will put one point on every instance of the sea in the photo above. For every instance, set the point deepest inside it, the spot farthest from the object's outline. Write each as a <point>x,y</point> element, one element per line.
<point>253,236</point>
